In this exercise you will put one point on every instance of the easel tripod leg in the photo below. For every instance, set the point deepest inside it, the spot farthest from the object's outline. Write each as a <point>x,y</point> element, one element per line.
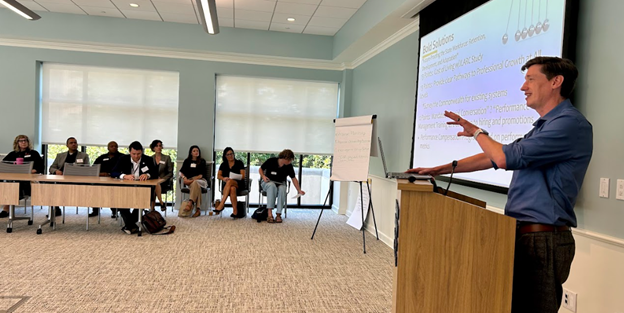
<point>331,186</point>
<point>362,211</point>
<point>370,204</point>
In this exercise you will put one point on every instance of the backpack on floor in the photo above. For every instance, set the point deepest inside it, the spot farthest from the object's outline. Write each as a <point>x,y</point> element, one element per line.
<point>260,214</point>
<point>153,222</point>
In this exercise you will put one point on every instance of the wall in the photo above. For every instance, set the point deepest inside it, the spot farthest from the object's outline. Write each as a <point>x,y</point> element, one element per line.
<point>386,85</point>
<point>597,272</point>
<point>19,84</point>
<point>173,36</point>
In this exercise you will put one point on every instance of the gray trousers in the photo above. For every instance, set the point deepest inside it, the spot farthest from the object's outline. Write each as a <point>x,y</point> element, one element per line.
<point>541,265</point>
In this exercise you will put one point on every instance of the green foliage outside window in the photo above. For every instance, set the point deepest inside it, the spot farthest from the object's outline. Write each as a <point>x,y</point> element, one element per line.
<point>256,159</point>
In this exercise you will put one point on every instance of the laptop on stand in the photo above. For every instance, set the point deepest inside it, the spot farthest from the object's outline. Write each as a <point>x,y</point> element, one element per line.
<point>398,175</point>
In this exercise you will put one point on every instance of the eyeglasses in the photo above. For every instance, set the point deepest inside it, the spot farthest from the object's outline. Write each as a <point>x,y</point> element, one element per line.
<point>23,140</point>
<point>229,154</point>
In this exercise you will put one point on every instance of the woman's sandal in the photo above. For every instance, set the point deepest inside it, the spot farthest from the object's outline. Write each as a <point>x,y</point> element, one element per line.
<point>189,206</point>
<point>270,219</point>
<point>197,212</point>
<point>278,219</point>
<point>163,207</point>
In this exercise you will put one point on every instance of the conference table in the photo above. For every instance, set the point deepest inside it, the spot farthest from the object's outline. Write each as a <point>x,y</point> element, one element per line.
<point>9,195</point>
<point>79,191</point>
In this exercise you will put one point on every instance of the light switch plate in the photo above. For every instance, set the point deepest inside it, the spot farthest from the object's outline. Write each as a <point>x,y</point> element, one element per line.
<point>619,191</point>
<point>604,188</point>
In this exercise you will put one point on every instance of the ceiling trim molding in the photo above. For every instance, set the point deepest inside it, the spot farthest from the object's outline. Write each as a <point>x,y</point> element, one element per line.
<point>174,54</point>
<point>387,43</point>
<point>228,57</point>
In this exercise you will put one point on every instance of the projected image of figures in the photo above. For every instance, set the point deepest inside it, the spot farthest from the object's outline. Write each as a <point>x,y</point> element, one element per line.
<point>464,67</point>
<point>536,26</point>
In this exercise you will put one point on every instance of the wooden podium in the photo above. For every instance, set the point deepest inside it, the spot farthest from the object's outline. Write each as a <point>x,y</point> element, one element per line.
<point>453,256</point>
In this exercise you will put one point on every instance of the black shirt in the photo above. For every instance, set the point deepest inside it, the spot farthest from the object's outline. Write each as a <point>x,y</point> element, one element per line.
<point>274,172</point>
<point>71,158</point>
<point>190,171</point>
<point>107,163</point>
<point>29,156</point>
<point>236,169</point>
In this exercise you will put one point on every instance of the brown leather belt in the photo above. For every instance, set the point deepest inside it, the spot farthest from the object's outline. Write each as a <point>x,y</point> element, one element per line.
<point>535,228</point>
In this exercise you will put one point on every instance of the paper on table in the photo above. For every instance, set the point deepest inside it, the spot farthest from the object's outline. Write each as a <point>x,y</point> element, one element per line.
<point>236,176</point>
<point>297,196</point>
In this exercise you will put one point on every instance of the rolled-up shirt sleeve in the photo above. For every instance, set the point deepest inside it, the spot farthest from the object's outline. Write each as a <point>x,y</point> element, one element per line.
<point>547,144</point>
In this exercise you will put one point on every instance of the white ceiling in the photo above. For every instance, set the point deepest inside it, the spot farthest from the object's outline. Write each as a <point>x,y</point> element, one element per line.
<point>317,17</point>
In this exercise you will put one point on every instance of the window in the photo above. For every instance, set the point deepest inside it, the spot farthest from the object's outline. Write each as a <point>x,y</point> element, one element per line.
<point>97,105</point>
<point>269,115</point>
<point>260,117</point>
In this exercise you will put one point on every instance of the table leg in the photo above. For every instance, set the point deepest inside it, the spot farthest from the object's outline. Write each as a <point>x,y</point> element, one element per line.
<point>11,216</point>
<point>140,222</point>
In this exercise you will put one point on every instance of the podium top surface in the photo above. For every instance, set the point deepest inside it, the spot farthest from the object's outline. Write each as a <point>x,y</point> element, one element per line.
<point>418,185</point>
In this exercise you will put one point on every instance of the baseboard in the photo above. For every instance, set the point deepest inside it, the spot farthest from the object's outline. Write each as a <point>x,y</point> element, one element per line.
<point>389,241</point>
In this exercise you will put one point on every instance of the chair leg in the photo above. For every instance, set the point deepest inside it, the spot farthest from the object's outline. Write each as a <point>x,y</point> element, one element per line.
<point>166,199</point>
<point>61,214</point>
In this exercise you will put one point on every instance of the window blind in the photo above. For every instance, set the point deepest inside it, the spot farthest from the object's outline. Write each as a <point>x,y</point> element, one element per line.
<point>269,115</point>
<point>97,105</point>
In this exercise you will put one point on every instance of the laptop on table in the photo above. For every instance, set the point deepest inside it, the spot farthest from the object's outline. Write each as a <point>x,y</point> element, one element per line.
<point>398,175</point>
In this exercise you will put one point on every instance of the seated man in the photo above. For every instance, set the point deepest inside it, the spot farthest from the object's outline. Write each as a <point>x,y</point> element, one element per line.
<point>136,166</point>
<point>107,162</point>
<point>273,173</point>
<point>71,156</point>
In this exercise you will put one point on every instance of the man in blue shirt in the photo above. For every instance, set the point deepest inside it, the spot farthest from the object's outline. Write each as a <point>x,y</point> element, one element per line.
<point>549,165</point>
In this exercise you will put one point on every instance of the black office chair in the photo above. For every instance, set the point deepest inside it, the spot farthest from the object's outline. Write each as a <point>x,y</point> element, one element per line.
<point>167,186</point>
<point>26,168</point>
<point>239,192</point>
<point>206,192</point>
<point>262,193</point>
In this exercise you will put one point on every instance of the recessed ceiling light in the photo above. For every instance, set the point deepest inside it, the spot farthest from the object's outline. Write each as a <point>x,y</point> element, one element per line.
<point>134,5</point>
<point>291,19</point>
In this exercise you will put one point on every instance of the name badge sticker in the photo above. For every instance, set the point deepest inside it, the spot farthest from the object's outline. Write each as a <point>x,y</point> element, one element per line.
<point>193,165</point>
<point>273,173</point>
<point>106,159</point>
<point>27,156</point>
<point>144,169</point>
<point>162,162</point>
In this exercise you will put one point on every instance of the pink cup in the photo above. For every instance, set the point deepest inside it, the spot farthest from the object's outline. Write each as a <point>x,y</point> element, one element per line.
<point>19,161</point>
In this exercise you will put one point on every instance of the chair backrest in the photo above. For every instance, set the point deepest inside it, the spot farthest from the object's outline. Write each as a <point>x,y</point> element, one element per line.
<point>247,179</point>
<point>9,167</point>
<point>81,170</point>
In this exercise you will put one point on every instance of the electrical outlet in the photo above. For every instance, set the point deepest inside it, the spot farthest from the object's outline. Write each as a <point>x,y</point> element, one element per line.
<point>619,193</point>
<point>604,188</point>
<point>569,300</point>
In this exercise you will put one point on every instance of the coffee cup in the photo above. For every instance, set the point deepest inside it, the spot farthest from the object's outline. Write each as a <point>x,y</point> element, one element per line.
<point>19,161</point>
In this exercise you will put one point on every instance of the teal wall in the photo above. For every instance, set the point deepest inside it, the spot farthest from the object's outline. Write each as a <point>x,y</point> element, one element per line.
<point>369,15</point>
<point>386,85</point>
<point>173,36</point>
<point>599,97</point>
<point>19,83</point>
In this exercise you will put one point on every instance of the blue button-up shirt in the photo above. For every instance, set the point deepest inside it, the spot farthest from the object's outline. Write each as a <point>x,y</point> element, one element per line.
<point>549,165</point>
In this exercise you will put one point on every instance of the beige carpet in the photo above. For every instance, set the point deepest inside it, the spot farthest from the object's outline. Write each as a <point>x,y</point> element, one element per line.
<point>210,264</point>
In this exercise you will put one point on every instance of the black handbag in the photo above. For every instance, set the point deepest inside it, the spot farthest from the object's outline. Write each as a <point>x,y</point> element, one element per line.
<point>260,214</point>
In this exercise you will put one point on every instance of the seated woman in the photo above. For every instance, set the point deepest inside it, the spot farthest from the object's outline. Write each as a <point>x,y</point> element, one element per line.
<point>230,165</point>
<point>192,173</point>
<point>22,148</point>
<point>165,171</point>
<point>273,173</point>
